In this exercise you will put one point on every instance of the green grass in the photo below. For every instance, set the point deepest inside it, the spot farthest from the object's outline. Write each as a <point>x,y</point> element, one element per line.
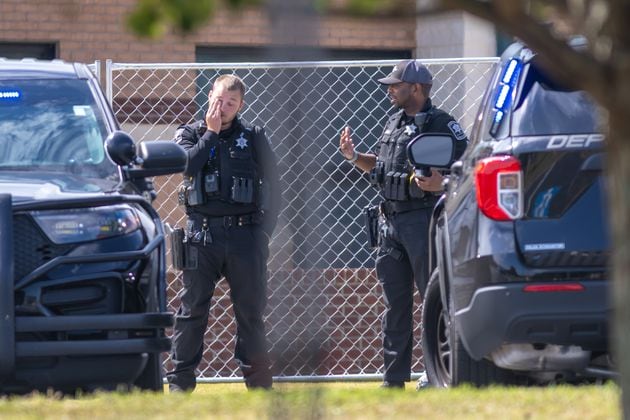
<point>360,400</point>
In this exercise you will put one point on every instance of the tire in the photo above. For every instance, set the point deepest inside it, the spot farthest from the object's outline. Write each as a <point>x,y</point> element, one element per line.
<point>446,361</point>
<point>435,332</point>
<point>481,373</point>
<point>152,377</point>
<point>466,370</point>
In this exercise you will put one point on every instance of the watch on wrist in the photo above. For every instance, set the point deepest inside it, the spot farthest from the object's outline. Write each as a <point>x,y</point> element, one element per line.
<point>355,156</point>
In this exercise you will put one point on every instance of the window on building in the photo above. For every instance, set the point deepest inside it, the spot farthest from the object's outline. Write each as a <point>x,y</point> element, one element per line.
<point>41,51</point>
<point>206,54</point>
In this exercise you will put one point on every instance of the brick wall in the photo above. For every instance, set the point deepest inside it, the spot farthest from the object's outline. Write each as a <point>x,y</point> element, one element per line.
<point>88,30</point>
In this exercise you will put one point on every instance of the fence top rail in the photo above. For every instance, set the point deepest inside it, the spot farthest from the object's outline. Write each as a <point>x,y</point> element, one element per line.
<point>293,64</point>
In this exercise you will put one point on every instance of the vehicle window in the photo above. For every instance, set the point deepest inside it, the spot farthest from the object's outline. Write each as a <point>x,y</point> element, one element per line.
<point>52,125</point>
<point>547,108</point>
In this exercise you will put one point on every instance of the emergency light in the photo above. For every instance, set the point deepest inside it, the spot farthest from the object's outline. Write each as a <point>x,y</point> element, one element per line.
<point>505,93</point>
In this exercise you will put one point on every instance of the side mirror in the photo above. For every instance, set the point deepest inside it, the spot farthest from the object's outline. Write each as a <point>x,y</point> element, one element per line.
<point>120,148</point>
<point>431,150</point>
<point>160,157</point>
<point>149,158</point>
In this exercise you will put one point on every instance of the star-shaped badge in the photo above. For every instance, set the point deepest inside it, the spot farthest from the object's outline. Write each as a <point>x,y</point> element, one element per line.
<point>241,142</point>
<point>410,129</point>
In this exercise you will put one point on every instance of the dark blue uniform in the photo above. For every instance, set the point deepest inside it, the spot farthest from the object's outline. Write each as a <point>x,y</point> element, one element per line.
<point>232,207</point>
<point>403,254</point>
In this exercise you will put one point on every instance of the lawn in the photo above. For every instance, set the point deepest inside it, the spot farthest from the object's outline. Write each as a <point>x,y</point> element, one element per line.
<point>342,400</point>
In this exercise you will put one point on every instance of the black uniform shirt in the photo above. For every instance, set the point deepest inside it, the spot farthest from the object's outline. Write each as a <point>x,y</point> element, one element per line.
<point>443,122</point>
<point>439,122</point>
<point>199,142</point>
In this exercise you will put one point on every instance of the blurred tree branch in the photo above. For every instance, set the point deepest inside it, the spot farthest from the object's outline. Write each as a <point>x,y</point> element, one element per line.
<point>152,18</point>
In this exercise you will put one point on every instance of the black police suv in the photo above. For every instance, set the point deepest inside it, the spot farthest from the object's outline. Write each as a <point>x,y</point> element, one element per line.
<point>519,285</point>
<point>82,270</point>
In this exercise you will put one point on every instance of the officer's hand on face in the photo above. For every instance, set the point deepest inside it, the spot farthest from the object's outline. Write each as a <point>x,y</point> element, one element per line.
<point>431,183</point>
<point>213,116</point>
<point>345,143</point>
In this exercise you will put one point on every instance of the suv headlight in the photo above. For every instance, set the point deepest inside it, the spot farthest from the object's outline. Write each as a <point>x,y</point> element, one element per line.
<point>82,225</point>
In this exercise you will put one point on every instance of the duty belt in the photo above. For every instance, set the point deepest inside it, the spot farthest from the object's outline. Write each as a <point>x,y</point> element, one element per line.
<point>235,220</point>
<point>389,207</point>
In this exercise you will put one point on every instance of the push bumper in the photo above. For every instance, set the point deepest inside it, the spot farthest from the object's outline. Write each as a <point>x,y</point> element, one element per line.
<point>119,334</point>
<point>114,324</point>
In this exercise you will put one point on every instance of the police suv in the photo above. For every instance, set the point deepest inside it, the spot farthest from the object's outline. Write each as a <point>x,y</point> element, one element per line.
<point>519,286</point>
<point>82,270</point>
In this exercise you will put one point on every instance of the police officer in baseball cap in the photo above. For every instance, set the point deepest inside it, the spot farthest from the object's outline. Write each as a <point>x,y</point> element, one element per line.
<point>405,210</point>
<point>409,71</point>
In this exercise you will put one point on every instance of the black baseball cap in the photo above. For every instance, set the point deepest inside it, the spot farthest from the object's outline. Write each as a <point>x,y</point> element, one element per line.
<point>410,71</point>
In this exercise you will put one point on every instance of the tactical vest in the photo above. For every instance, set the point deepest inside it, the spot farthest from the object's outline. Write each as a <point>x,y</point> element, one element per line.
<point>231,174</point>
<point>393,174</point>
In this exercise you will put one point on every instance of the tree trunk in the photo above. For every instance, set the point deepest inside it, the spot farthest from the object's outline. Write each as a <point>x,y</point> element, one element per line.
<point>618,169</point>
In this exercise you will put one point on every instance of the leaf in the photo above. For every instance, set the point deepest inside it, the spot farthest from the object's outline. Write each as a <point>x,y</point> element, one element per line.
<point>151,18</point>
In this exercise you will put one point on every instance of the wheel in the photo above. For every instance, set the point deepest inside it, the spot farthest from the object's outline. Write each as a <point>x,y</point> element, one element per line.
<point>152,377</point>
<point>435,336</point>
<point>479,373</point>
<point>446,361</point>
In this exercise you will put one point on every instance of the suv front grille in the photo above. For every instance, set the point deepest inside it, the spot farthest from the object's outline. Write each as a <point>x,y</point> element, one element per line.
<point>31,248</point>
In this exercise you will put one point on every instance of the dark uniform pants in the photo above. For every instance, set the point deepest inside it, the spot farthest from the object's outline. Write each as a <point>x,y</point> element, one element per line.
<point>402,260</point>
<point>240,254</point>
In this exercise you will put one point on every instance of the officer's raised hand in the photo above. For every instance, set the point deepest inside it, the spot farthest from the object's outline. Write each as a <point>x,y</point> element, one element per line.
<point>364,161</point>
<point>345,143</point>
<point>431,183</point>
<point>213,116</point>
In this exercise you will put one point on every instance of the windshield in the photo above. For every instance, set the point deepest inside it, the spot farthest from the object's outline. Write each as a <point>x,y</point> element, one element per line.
<point>53,126</point>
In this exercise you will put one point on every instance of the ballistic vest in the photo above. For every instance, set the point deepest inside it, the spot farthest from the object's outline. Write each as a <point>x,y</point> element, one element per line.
<point>393,174</point>
<point>230,180</point>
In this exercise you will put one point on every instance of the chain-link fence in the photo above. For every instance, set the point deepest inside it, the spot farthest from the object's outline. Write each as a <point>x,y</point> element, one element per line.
<point>323,316</point>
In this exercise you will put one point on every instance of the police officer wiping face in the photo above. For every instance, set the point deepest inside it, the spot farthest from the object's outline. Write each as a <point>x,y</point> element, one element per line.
<point>225,100</point>
<point>231,196</point>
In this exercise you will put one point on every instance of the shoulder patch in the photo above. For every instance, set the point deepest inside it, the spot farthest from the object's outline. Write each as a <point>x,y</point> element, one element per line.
<point>457,130</point>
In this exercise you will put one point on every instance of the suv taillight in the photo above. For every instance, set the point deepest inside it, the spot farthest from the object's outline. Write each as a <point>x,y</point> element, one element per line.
<point>499,187</point>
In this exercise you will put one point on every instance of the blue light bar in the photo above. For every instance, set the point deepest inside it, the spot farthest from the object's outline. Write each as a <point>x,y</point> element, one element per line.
<point>507,85</point>
<point>509,71</point>
<point>7,95</point>
<point>502,96</point>
<point>505,94</point>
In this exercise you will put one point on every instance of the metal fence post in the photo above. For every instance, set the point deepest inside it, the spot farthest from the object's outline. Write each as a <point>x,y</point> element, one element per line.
<point>109,88</point>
